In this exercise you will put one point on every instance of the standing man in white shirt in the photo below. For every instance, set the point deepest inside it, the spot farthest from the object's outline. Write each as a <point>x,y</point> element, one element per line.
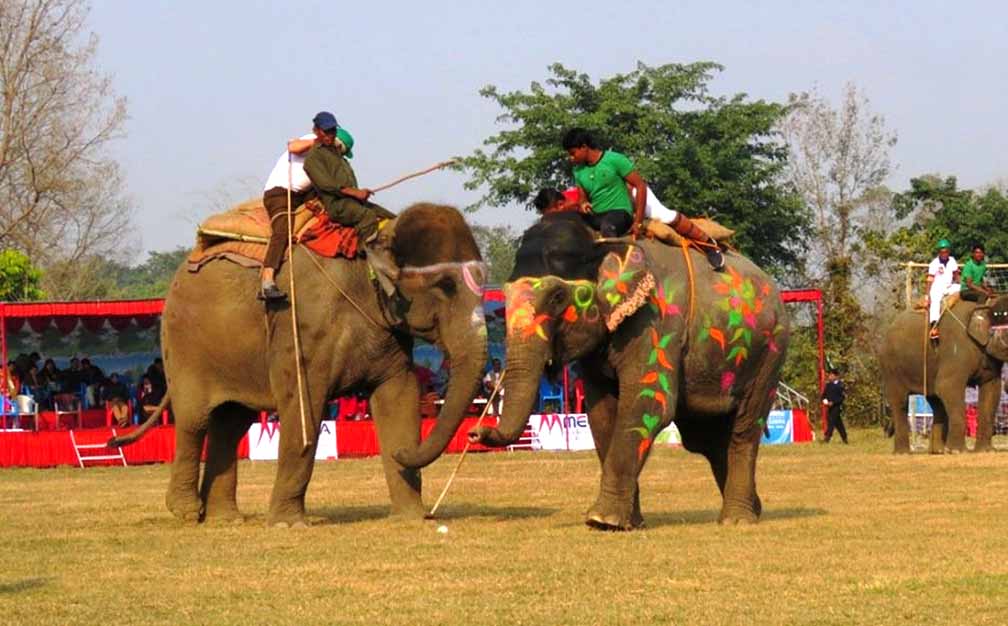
<point>942,280</point>
<point>275,201</point>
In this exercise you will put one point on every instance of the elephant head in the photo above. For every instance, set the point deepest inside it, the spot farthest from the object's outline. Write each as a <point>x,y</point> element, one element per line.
<point>551,317</point>
<point>439,297</point>
<point>990,330</point>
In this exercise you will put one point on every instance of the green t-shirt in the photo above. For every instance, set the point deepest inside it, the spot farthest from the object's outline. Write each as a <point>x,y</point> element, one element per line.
<point>973,270</point>
<point>603,182</point>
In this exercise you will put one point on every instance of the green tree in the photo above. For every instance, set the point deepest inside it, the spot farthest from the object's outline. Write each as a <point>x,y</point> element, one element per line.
<point>20,281</point>
<point>700,154</point>
<point>498,245</point>
<point>151,278</point>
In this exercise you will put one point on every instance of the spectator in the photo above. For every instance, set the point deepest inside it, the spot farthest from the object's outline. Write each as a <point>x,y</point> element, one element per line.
<point>11,383</point>
<point>149,396</point>
<point>490,382</point>
<point>36,384</point>
<point>833,397</point>
<point>155,372</point>
<point>116,395</point>
<point>72,378</point>
<point>428,402</point>
<point>51,377</point>
<point>92,377</point>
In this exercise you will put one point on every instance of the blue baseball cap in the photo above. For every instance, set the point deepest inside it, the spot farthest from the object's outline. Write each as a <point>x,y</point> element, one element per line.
<point>325,121</point>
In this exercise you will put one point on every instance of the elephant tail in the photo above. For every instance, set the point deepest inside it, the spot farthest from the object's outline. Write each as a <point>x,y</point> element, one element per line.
<point>136,435</point>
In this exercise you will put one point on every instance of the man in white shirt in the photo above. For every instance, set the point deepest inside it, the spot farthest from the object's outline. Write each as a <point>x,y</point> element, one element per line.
<point>942,280</point>
<point>275,201</point>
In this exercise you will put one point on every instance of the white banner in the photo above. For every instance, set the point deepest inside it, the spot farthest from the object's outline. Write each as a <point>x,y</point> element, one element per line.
<point>264,442</point>
<point>570,431</point>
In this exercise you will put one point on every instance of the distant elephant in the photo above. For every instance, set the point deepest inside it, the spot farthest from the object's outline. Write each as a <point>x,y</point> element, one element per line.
<point>227,358</point>
<point>658,341</point>
<point>971,350</point>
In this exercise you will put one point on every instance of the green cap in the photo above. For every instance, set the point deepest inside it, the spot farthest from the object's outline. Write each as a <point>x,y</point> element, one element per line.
<point>346,139</point>
<point>943,243</point>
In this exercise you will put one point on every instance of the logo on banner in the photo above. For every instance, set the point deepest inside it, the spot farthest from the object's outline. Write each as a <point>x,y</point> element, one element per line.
<point>563,421</point>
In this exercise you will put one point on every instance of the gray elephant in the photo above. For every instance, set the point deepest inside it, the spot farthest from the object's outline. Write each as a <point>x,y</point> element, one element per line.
<point>658,340</point>
<point>972,348</point>
<point>226,360</point>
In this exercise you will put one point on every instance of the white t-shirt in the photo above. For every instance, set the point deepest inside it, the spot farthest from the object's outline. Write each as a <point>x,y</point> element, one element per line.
<point>299,180</point>
<point>944,278</point>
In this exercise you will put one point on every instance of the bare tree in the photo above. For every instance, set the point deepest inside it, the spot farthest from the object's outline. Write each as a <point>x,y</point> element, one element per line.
<point>839,160</point>
<point>61,194</point>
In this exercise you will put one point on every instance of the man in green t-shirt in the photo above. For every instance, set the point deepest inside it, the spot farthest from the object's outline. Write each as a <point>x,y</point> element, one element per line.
<point>972,283</point>
<point>604,178</point>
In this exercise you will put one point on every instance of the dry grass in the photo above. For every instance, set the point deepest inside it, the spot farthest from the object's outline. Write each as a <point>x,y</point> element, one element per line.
<point>850,535</point>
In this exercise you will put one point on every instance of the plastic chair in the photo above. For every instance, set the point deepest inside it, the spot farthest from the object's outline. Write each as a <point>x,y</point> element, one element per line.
<point>548,392</point>
<point>27,407</point>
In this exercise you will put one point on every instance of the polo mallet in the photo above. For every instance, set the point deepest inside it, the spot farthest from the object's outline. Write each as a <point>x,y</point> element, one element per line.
<point>466,448</point>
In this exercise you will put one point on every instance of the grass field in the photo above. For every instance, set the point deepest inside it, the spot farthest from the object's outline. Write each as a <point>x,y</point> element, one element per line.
<point>850,535</point>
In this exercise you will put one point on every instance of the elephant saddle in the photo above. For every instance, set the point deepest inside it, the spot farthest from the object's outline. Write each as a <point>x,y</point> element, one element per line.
<point>241,234</point>
<point>664,233</point>
<point>948,301</point>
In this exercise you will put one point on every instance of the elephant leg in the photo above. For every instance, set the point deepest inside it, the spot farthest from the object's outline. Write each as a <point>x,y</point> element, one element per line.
<point>295,460</point>
<point>939,426</point>
<point>953,395</point>
<point>601,403</point>
<point>183,498</point>
<point>709,437</point>
<point>639,419</point>
<point>987,403</point>
<point>395,405</point>
<point>228,424</point>
<point>896,396</point>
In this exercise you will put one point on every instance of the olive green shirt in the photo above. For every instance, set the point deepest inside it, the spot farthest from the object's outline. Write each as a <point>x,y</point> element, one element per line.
<point>329,172</point>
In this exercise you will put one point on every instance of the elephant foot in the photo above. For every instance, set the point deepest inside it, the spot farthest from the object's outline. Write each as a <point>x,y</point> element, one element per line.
<point>410,512</point>
<point>901,450</point>
<point>287,519</point>
<point>614,517</point>
<point>740,514</point>
<point>224,515</point>
<point>953,451</point>
<point>189,510</point>
<point>983,447</point>
<point>285,524</point>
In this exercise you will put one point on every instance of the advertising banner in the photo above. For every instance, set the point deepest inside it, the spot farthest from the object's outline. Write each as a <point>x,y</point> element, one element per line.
<point>570,431</point>
<point>779,427</point>
<point>264,441</point>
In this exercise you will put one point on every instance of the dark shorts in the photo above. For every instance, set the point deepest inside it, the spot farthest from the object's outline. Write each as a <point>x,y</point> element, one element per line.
<point>611,223</point>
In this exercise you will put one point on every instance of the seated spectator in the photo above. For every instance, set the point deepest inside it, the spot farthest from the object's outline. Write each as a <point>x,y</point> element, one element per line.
<point>116,395</point>
<point>36,384</point>
<point>149,396</point>
<point>10,383</point>
<point>72,378</point>
<point>51,377</point>
<point>428,402</point>
<point>92,377</point>
<point>155,372</point>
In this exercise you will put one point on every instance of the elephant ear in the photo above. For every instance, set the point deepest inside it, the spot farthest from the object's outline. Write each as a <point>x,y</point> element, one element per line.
<point>979,326</point>
<point>624,284</point>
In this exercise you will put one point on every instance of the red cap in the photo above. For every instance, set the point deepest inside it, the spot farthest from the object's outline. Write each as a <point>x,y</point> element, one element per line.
<point>572,195</point>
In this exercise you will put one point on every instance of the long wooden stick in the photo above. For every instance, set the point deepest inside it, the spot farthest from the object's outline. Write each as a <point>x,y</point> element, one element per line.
<point>305,443</point>
<point>414,175</point>
<point>466,448</point>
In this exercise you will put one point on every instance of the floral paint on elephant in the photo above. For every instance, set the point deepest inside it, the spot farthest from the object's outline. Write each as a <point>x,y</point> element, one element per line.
<point>583,308</point>
<point>520,315</point>
<point>657,386</point>
<point>625,285</point>
<point>732,330</point>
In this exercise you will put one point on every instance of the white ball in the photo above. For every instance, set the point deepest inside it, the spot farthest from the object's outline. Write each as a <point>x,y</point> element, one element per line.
<point>442,529</point>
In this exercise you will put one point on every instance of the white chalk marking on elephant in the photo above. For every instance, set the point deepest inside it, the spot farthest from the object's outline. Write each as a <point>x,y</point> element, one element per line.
<point>473,283</point>
<point>478,319</point>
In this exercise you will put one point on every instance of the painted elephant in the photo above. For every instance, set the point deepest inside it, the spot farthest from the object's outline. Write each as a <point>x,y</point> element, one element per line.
<point>971,351</point>
<point>226,359</point>
<point>659,340</point>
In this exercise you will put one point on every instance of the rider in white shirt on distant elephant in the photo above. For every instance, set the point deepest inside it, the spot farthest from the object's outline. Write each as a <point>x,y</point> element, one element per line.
<point>943,279</point>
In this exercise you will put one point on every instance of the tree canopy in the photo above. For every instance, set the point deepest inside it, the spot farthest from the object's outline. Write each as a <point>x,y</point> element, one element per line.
<point>701,154</point>
<point>19,280</point>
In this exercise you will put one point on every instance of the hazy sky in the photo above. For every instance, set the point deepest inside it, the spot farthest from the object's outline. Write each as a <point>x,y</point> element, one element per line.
<point>215,88</point>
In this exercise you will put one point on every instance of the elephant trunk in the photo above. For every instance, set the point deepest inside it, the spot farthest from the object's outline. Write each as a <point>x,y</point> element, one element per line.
<point>466,348</point>
<point>524,369</point>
